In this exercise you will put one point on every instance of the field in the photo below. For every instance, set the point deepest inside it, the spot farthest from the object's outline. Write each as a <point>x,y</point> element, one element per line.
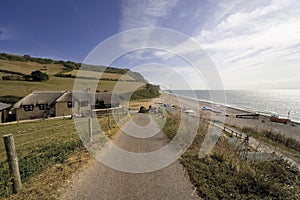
<point>42,145</point>
<point>28,67</point>
<point>51,151</point>
<point>100,74</point>
<point>136,104</point>
<point>22,88</point>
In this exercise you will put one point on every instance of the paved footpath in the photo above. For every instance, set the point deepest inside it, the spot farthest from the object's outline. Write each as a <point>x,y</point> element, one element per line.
<point>98,181</point>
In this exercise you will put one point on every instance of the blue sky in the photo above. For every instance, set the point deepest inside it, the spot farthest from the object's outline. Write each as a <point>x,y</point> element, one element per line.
<point>253,44</point>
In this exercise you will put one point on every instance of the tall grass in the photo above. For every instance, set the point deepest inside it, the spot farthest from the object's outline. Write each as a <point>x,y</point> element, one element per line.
<point>223,174</point>
<point>43,144</point>
<point>276,137</point>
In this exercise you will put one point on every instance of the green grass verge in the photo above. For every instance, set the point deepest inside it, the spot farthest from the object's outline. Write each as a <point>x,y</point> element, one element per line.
<point>39,145</point>
<point>289,145</point>
<point>42,144</point>
<point>223,174</point>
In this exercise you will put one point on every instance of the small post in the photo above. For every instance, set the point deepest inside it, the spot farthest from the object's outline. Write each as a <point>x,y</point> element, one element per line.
<point>108,120</point>
<point>118,115</point>
<point>90,129</point>
<point>13,162</point>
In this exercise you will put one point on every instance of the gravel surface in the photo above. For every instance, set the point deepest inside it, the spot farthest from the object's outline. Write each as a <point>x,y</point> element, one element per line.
<point>98,181</point>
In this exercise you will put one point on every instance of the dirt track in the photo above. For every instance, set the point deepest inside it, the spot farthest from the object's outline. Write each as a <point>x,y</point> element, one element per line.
<point>98,181</point>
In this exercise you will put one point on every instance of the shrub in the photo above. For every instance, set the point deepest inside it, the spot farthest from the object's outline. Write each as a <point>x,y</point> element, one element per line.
<point>39,76</point>
<point>9,99</point>
<point>13,78</point>
<point>150,91</point>
<point>143,110</point>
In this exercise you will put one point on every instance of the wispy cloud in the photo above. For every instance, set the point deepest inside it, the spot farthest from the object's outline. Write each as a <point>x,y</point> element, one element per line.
<point>141,14</point>
<point>263,36</point>
<point>144,13</point>
<point>3,34</point>
<point>249,42</point>
<point>6,34</point>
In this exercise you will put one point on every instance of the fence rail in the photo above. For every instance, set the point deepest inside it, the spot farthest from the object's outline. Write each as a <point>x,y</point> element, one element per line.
<point>43,143</point>
<point>255,143</point>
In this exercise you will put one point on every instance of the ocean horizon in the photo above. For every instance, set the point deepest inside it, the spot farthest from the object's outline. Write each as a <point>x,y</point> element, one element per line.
<point>285,103</point>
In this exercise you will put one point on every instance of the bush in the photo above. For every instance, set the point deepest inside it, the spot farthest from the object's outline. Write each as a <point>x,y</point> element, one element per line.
<point>39,76</point>
<point>143,110</point>
<point>12,72</point>
<point>13,78</point>
<point>150,91</point>
<point>9,99</point>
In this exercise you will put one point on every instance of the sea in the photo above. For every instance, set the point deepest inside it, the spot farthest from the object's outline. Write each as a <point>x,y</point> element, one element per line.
<point>285,103</point>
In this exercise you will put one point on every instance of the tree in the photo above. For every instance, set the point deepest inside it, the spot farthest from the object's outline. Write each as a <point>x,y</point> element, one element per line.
<point>39,76</point>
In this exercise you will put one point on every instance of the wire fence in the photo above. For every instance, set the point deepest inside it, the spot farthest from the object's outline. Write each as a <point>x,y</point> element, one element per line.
<point>37,150</point>
<point>42,144</point>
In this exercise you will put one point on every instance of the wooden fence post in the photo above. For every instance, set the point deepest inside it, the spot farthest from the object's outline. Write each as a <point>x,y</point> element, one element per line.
<point>118,115</point>
<point>90,129</point>
<point>108,120</point>
<point>12,162</point>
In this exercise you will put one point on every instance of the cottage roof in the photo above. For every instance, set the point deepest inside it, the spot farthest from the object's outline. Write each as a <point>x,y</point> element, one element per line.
<point>4,106</point>
<point>39,97</point>
<point>108,98</point>
<point>82,96</point>
<point>65,97</point>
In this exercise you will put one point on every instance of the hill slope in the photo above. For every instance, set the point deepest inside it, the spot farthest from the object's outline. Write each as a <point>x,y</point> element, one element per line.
<point>15,70</point>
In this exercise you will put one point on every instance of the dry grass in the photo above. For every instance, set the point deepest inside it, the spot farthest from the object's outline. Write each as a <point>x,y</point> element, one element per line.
<point>223,174</point>
<point>136,104</point>
<point>49,153</point>
<point>50,184</point>
<point>28,67</point>
<point>93,74</point>
<point>22,88</point>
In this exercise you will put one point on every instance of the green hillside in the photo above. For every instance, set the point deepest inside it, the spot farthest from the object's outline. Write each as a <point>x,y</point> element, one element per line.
<point>16,79</point>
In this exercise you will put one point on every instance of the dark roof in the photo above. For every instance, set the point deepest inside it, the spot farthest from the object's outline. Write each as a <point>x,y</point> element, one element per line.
<point>65,97</point>
<point>49,97</point>
<point>82,96</point>
<point>4,106</point>
<point>39,97</point>
<point>108,98</point>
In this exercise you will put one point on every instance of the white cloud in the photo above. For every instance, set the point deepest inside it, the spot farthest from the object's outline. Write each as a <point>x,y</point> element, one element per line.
<point>144,13</point>
<point>141,14</point>
<point>4,34</point>
<point>248,40</point>
<point>251,43</point>
<point>180,77</point>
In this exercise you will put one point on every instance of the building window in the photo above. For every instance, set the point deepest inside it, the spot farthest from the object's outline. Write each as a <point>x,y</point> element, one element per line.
<point>43,106</point>
<point>28,107</point>
<point>70,104</point>
<point>84,104</point>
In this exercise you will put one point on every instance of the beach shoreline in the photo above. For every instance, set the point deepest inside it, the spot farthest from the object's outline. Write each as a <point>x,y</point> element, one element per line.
<point>243,110</point>
<point>228,116</point>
